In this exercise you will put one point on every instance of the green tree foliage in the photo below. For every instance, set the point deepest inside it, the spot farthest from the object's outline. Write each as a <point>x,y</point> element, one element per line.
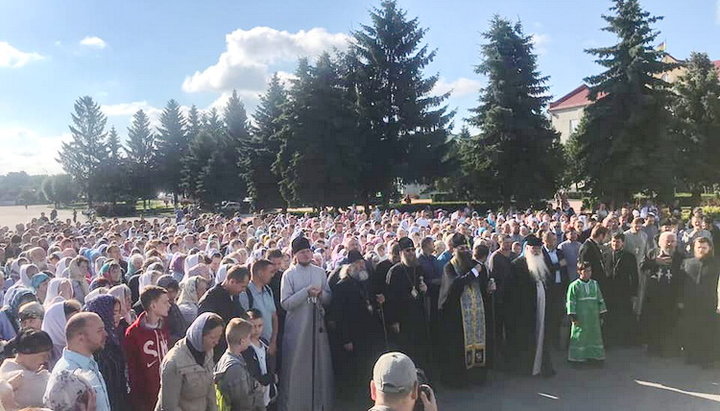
<point>112,182</point>
<point>319,158</point>
<point>85,153</point>
<point>141,155</point>
<point>403,124</point>
<point>696,111</point>
<point>256,160</point>
<point>622,145</point>
<point>172,147</point>
<point>517,156</point>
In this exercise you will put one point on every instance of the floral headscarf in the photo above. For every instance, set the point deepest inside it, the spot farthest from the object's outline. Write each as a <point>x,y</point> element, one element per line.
<point>104,306</point>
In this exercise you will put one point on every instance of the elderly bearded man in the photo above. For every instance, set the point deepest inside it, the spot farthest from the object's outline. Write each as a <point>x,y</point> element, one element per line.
<point>527,299</point>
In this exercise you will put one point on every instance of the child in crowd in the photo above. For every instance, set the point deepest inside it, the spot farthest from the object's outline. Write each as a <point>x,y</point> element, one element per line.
<point>236,388</point>
<point>585,307</point>
<point>257,357</point>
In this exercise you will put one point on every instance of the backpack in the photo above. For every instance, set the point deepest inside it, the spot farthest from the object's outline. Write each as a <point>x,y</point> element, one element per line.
<point>251,298</point>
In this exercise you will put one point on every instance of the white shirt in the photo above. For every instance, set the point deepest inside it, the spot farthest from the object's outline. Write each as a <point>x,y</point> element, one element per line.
<point>261,352</point>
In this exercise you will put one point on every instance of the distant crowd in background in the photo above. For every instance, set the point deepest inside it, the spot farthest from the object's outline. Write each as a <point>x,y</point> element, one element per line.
<point>290,312</point>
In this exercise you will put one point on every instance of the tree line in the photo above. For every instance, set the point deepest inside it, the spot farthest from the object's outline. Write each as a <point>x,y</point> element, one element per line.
<point>353,125</point>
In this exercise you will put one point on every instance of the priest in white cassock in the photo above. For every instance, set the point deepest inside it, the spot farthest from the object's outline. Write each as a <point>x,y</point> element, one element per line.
<point>304,293</point>
<point>527,302</point>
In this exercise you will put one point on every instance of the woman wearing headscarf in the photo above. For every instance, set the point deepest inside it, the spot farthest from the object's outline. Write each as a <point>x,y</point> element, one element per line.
<point>26,273</point>
<point>69,392</point>
<point>78,272</point>
<point>177,266</point>
<point>39,283</point>
<point>9,322</point>
<point>122,293</point>
<point>61,266</point>
<point>56,317</point>
<point>221,273</point>
<point>32,350</point>
<point>191,290</point>
<point>187,370</point>
<point>191,261</point>
<point>98,264</point>
<point>112,272</point>
<point>25,270</point>
<point>110,359</point>
<point>59,289</point>
<point>175,319</point>
<point>135,264</point>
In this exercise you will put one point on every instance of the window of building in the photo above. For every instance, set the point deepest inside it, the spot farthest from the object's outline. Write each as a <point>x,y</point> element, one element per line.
<point>574,125</point>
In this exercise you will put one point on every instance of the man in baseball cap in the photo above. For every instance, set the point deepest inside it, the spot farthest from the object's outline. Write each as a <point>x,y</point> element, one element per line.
<point>394,386</point>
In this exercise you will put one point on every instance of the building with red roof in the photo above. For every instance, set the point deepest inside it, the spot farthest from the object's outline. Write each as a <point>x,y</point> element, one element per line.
<point>567,111</point>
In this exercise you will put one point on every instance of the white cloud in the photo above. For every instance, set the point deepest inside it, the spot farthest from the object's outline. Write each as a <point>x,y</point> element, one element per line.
<point>128,109</point>
<point>540,41</point>
<point>245,64</point>
<point>14,58</point>
<point>29,151</point>
<point>459,88</point>
<point>94,42</point>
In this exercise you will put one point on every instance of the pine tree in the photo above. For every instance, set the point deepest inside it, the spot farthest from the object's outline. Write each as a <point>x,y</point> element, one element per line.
<point>141,157</point>
<point>323,163</point>
<point>696,111</point>
<point>517,156</point>
<point>83,155</point>
<point>194,122</point>
<point>112,181</point>
<point>622,145</point>
<point>403,124</point>
<point>256,161</point>
<point>172,147</point>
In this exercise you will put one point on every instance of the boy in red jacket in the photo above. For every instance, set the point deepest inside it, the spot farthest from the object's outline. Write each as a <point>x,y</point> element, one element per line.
<point>145,345</point>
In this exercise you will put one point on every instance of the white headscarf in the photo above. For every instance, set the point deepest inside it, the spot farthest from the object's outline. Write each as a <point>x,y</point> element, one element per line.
<point>54,323</point>
<point>24,278</point>
<point>191,261</point>
<point>96,292</point>
<point>194,333</point>
<point>221,273</point>
<point>147,279</point>
<point>53,291</point>
<point>122,292</point>
<point>61,266</point>
<point>188,291</point>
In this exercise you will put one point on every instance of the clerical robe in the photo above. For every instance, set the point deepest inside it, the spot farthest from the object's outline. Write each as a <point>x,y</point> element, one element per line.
<point>296,374</point>
<point>585,303</point>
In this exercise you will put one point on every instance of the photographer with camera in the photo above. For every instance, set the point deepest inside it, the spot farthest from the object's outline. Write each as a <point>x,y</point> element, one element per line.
<point>395,385</point>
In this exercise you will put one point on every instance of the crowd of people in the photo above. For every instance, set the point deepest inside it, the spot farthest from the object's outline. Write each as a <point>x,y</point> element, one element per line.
<point>291,312</point>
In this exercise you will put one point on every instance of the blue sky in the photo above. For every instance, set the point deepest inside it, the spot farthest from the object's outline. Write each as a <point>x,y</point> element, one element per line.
<point>134,54</point>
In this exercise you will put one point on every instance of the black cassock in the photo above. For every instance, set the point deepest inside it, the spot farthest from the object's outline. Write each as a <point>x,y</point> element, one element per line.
<point>452,342</point>
<point>620,286</point>
<point>660,310</point>
<point>352,320</point>
<point>698,317</point>
<point>521,294</point>
<point>405,304</point>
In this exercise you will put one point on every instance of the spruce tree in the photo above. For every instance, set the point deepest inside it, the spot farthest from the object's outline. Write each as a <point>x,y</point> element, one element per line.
<point>172,147</point>
<point>403,125</point>
<point>141,157</point>
<point>83,155</point>
<point>696,112</point>
<point>622,145</point>
<point>256,160</point>
<point>319,152</point>
<point>517,156</point>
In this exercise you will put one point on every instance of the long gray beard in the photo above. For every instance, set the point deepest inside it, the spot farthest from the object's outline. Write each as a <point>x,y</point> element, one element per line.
<point>537,267</point>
